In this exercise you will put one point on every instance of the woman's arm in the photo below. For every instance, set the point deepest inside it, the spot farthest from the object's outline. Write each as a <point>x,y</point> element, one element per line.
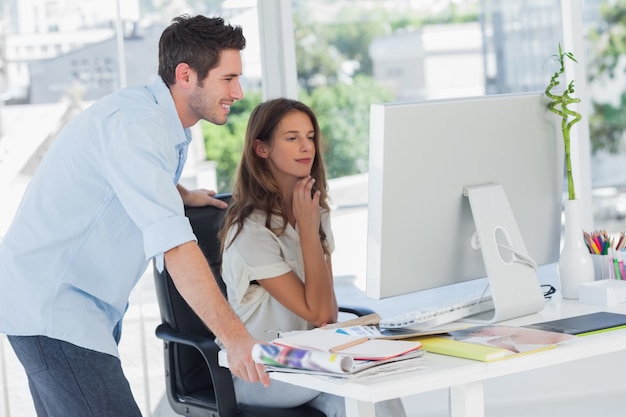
<point>314,300</point>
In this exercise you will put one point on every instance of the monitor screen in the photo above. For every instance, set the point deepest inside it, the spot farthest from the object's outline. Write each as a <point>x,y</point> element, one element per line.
<point>422,156</point>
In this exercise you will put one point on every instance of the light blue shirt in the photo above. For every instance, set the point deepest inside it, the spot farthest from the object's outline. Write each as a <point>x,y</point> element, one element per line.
<point>101,205</point>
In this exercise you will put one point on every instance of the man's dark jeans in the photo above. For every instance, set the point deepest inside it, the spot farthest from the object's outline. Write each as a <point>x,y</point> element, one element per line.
<point>69,381</point>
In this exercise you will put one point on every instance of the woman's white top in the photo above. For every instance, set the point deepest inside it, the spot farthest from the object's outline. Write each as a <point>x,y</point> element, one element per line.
<point>257,254</point>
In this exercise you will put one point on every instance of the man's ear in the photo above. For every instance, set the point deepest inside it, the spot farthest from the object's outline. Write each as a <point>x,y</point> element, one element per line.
<point>183,74</point>
<point>261,149</point>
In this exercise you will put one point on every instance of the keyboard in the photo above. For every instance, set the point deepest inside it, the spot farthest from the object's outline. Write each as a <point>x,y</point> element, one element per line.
<point>439,314</point>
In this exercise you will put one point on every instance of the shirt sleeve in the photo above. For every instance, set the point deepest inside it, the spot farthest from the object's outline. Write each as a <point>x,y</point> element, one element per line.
<point>254,255</point>
<point>141,163</point>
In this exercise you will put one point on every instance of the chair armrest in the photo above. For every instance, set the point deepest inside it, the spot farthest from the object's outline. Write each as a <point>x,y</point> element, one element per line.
<point>356,310</point>
<point>220,376</point>
<point>204,345</point>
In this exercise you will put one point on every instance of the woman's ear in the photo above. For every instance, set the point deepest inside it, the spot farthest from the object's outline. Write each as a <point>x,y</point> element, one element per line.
<point>261,149</point>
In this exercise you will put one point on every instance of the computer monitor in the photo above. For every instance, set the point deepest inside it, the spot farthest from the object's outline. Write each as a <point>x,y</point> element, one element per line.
<point>423,155</point>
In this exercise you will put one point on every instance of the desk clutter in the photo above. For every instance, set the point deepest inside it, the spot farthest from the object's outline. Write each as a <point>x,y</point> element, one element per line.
<point>608,253</point>
<point>363,350</point>
<point>604,293</point>
<point>332,352</point>
<point>493,342</point>
<point>585,324</point>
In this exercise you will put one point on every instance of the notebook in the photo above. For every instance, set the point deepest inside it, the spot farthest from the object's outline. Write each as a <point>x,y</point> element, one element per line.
<point>584,325</point>
<point>361,348</point>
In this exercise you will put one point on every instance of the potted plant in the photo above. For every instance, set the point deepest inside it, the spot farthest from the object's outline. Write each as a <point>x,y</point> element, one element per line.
<point>575,262</point>
<point>559,105</point>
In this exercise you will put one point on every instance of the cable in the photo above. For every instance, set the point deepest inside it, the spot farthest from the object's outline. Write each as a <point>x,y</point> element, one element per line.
<point>519,257</point>
<point>481,296</point>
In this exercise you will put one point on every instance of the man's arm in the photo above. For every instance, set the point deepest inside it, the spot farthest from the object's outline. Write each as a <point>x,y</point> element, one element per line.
<point>199,198</point>
<point>195,282</point>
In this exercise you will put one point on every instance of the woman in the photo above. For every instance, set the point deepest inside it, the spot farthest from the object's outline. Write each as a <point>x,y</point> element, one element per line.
<point>277,244</point>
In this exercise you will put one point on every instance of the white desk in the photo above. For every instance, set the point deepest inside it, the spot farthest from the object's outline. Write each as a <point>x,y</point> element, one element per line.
<point>464,378</point>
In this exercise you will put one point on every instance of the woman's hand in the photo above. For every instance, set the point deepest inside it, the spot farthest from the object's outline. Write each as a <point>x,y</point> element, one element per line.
<point>306,205</point>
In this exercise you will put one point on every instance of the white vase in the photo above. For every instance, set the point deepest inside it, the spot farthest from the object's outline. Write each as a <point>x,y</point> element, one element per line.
<point>575,263</point>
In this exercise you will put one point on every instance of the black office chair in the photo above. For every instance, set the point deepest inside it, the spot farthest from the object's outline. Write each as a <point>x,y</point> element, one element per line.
<point>196,385</point>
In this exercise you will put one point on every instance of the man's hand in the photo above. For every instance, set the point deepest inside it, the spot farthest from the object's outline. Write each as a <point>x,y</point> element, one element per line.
<point>241,364</point>
<point>195,282</point>
<point>200,198</point>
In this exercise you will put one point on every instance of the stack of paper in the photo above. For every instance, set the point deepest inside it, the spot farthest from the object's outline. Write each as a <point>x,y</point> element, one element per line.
<point>326,352</point>
<point>359,347</point>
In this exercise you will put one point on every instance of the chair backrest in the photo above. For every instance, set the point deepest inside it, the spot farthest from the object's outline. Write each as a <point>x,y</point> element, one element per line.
<point>193,389</point>
<point>191,372</point>
<point>206,222</point>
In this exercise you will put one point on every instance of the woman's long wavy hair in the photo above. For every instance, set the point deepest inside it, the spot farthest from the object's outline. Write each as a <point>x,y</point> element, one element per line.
<point>255,187</point>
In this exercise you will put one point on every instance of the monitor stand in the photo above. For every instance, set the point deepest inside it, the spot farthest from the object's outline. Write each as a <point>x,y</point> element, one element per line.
<point>514,285</point>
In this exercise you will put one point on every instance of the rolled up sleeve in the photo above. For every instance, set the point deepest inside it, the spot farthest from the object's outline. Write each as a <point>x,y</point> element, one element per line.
<point>142,176</point>
<point>164,235</point>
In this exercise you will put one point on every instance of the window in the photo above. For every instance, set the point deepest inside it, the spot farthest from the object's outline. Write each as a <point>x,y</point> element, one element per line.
<point>421,51</point>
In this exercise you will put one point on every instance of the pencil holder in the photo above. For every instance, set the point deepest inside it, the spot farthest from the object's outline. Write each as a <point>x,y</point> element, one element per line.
<point>602,265</point>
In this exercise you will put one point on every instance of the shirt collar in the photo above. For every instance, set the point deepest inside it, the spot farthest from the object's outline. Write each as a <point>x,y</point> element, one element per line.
<point>164,99</point>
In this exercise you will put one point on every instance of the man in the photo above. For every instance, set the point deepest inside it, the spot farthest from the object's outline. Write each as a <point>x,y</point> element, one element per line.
<point>105,202</point>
